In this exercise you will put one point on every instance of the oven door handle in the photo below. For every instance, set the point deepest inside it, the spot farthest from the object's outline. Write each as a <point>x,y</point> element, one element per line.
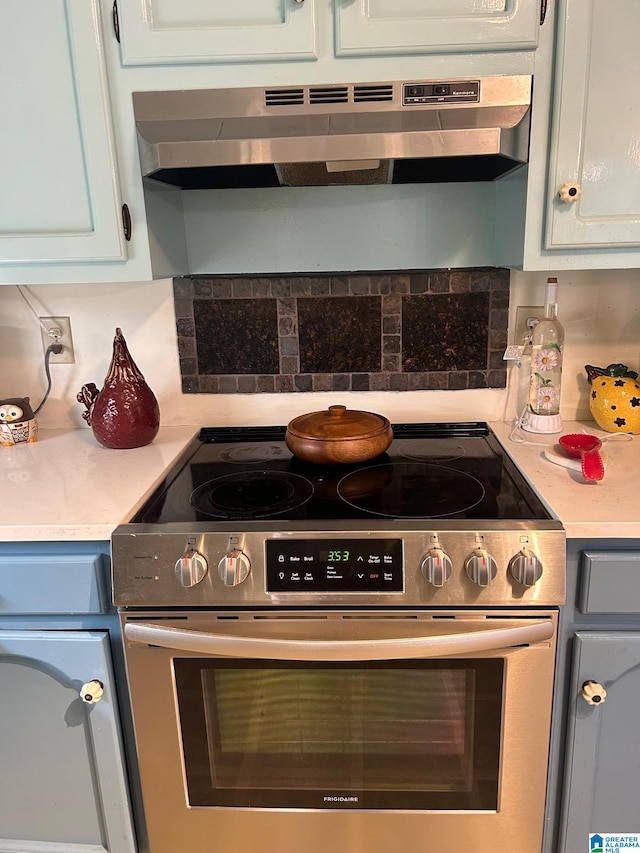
<point>445,645</point>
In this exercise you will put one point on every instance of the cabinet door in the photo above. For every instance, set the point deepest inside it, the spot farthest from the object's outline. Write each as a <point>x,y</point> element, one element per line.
<point>59,200</point>
<point>161,32</point>
<point>603,762</point>
<point>596,125</point>
<point>435,26</point>
<point>62,784</point>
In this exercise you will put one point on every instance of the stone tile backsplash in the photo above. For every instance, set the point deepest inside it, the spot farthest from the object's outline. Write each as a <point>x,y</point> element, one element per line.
<point>401,331</point>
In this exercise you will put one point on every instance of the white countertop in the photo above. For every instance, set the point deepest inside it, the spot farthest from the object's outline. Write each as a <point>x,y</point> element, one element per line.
<point>66,486</point>
<point>609,508</point>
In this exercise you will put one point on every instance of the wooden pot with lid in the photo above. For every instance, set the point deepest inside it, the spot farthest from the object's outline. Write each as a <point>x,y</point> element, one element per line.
<point>338,436</point>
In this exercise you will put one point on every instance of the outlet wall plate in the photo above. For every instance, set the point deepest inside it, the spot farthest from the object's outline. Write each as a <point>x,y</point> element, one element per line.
<point>67,356</point>
<point>523,314</point>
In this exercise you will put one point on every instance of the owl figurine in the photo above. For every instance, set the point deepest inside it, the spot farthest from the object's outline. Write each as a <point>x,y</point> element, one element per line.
<point>17,421</point>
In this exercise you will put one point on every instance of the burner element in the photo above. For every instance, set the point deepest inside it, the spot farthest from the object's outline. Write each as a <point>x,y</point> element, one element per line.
<point>416,490</point>
<point>431,449</point>
<point>251,494</point>
<point>260,451</point>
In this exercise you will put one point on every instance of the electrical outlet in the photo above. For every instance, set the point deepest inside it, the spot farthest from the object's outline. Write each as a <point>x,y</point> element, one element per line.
<point>57,330</point>
<point>524,314</point>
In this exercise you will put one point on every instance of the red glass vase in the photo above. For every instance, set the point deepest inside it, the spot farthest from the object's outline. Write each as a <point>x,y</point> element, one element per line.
<point>125,413</point>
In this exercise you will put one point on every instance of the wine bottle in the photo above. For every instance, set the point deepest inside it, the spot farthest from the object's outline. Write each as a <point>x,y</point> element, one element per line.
<point>547,343</point>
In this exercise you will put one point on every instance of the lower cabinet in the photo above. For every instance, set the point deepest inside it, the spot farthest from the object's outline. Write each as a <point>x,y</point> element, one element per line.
<point>595,767</point>
<point>603,759</point>
<point>63,787</point>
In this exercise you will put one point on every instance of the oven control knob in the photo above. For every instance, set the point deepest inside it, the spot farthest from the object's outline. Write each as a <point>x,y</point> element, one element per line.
<point>480,567</point>
<point>191,568</point>
<point>436,567</point>
<point>234,568</point>
<point>526,568</point>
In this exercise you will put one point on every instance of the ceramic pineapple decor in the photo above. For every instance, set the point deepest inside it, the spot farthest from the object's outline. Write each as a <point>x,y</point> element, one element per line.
<point>614,399</point>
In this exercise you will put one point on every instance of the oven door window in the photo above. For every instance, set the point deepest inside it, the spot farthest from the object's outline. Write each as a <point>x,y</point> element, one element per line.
<point>386,735</point>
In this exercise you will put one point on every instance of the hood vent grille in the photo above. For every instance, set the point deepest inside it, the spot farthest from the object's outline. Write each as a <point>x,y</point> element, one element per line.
<point>283,97</point>
<point>328,95</point>
<point>372,93</point>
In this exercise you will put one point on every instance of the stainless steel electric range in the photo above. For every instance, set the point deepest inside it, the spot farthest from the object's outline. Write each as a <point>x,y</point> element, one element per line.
<point>354,657</point>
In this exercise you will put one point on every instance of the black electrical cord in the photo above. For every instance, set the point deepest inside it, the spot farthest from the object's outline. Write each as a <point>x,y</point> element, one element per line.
<point>56,349</point>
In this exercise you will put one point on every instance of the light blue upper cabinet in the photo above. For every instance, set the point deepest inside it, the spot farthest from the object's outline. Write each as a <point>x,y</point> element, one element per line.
<point>596,128</point>
<point>193,31</point>
<point>60,200</point>
<point>435,26</point>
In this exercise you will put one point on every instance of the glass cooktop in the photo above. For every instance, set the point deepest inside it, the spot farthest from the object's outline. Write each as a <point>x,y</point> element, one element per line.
<point>443,470</point>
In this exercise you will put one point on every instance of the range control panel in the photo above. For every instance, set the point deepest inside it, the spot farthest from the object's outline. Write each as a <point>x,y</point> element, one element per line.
<point>334,565</point>
<point>446,92</point>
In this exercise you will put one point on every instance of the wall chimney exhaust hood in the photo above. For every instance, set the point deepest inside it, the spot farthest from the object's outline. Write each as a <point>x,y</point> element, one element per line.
<point>365,133</point>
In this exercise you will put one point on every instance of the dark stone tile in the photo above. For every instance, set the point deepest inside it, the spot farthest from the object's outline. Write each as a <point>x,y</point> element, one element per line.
<point>237,336</point>
<point>341,382</point>
<point>202,287</point>
<point>284,383</point>
<point>182,288</point>
<point>380,382</point>
<point>301,287</point>
<point>322,382</point>
<point>339,286</point>
<point>496,360</point>
<point>190,384</point>
<point>418,381</point>
<point>443,332</point>
<point>289,364</point>
<point>289,346</point>
<point>477,379</point>
<point>391,304</point>
<point>287,308</point>
<point>303,382</point>
<point>342,337</point>
<point>187,348</point>
<point>360,285</point>
<point>185,327</point>
<point>247,384</point>
<point>242,289</point>
<point>500,279</point>
<point>458,380</point>
<point>183,309</point>
<point>260,287</point>
<point>419,283</point>
<point>391,325</point>
<point>379,284</point>
<point>320,286</point>
<point>286,326</point>
<point>360,382</point>
<point>266,384</point>
<point>399,283</point>
<point>439,282</point>
<point>209,385</point>
<point>499,318</point>
<point>480,280</point>
<point>460,281</point>
<point>228,384</point>
<point>497,378</point>
<point>281,287</point>
<point>399,382</point>
<point>391,363</point>
<point>221,288</point>
<point>188,366</point>
<point>391,344</point>
<point>438,381</point>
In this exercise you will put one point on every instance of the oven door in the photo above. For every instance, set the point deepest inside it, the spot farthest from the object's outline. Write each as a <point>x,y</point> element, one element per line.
<point>343,730</point>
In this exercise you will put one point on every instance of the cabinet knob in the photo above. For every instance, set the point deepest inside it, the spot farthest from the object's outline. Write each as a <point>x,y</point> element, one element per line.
<point>570,192</point>
<point>92,691</point>
<point>593,693</point>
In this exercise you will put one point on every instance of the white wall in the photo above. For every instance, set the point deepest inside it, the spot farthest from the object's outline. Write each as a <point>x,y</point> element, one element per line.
<point>600,312</point>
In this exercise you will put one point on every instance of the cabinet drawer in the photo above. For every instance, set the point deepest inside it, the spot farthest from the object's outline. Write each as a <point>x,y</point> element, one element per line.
<point>610,582</point>
<point>57,583</point>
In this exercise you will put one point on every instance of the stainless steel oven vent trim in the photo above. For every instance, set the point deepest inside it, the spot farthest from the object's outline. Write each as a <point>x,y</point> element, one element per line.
<point>339,126</point>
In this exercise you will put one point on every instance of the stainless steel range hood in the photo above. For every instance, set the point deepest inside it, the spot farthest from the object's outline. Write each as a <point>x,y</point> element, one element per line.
<point>415,131</point>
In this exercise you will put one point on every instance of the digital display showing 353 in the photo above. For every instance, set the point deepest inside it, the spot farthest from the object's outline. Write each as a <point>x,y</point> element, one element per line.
<point>346,565</point>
